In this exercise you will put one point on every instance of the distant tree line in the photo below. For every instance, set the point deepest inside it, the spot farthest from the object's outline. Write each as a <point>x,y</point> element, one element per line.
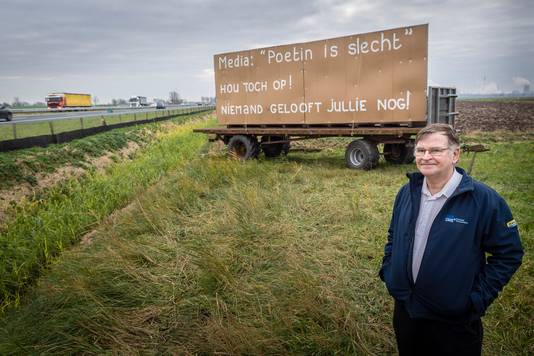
<point>174,98</point>
<point>119,102</point>
<point>207,100</point>
<point>18,104</point>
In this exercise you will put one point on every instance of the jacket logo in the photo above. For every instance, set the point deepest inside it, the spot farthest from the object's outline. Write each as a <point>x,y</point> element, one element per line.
<point>455,219</point>
<point>511,223</point>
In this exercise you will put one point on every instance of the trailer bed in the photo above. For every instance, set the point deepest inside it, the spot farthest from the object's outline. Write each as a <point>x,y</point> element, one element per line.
<point>312,131</point>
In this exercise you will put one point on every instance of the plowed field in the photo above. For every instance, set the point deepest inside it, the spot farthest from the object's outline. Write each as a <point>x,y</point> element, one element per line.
<point>491,116</point>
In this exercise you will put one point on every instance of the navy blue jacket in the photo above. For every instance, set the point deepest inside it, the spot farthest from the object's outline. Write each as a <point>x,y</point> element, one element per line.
<point>455,281</point>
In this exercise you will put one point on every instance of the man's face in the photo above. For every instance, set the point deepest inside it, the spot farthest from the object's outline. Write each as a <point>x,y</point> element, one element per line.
<point>437,160</point>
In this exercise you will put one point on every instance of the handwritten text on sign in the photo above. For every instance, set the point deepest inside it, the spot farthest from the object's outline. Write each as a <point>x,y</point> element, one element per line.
<point>353,78</point>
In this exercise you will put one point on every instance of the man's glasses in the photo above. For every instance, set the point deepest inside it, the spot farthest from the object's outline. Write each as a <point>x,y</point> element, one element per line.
<point>434,151</point>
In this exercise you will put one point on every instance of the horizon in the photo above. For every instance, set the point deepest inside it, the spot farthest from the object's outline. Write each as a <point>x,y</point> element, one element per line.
<point>122,49</point>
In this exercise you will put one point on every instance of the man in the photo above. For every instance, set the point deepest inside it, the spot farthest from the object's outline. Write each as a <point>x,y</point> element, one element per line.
<point>443,224</point>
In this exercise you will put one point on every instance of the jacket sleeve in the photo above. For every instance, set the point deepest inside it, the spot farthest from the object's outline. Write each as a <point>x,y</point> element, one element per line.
<point>388,247</point>
<point>501,241</point>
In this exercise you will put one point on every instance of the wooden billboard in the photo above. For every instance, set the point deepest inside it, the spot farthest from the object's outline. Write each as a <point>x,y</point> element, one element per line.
<point>377,77</point>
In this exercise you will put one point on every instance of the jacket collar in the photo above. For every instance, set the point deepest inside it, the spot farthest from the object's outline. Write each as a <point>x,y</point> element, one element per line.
<point>416,182</point>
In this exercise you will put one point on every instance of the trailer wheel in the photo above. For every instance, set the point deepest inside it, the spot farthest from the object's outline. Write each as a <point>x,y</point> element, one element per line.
<point>362,154</point>
<point>398,153</point>
<point>286,147</point>
<point>274,150</point>
<point>243,147</point>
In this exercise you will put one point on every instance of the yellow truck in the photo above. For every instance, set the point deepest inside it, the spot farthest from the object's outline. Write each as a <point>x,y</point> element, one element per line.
<point>68,100</point>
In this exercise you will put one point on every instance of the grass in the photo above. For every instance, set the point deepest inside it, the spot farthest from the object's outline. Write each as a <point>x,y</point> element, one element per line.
<point>25,165</point>
<point>30,129</point>
<point>490,137</point>
<point>37,231</point>
<point>270,257</point>
<point>504,99</point>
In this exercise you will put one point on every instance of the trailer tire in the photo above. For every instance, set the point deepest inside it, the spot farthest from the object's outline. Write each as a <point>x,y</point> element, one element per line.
<point>362,154</point>
<point>243,147</point>
<point>410,157</point>
<point>274,150</point>
<point>286,147</point>
<point>398,153</point>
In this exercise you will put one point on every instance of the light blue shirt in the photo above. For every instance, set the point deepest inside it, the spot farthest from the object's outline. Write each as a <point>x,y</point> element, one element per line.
<point>428,210</point>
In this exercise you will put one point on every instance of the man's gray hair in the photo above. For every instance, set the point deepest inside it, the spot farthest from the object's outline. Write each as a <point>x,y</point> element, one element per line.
<point>444,129</point>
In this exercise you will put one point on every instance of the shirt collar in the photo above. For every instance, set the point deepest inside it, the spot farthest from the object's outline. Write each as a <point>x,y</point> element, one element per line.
<point>447,190</point>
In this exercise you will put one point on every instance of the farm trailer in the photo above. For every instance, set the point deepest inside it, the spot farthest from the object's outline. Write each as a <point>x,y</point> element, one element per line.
<point>247,141</point>
<point>369,86</point>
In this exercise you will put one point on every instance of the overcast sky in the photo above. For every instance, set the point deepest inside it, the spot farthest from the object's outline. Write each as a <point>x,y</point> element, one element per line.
<point>120,48</point>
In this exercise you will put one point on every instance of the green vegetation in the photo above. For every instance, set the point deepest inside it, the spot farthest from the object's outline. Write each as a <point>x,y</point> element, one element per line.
<point>504,99</point>
<point>24,165</point>
<point>30,129</point>
<point>270,257</point>
<point>488,137</point>
<point>35,232</point>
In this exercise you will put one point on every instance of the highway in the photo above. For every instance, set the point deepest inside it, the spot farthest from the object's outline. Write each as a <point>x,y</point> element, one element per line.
<point>73,114</point>
<point>20,117</point>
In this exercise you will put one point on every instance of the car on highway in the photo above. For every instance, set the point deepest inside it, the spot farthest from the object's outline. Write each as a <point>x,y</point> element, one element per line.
<point>160,105</point>
<point>5,113</point>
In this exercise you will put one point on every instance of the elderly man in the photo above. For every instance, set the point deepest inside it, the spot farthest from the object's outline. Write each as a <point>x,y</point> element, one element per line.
<point>435,267</point>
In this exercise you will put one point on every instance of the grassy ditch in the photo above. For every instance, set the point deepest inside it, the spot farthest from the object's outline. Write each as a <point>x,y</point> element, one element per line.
<point>269,257</point>
<point>25,165</point>
<point>38,230</point>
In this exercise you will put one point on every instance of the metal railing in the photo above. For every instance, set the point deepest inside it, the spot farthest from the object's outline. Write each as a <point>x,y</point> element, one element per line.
<point>44,110</point>
<point>44,131</point>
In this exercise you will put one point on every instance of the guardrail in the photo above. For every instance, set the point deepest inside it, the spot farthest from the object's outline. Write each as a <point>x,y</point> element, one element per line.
<point>46,110</point>
<point>25,134</point>
<point>89,108</point>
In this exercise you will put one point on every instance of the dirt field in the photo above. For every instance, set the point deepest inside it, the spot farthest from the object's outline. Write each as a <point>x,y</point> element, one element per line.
<point>491,116</point>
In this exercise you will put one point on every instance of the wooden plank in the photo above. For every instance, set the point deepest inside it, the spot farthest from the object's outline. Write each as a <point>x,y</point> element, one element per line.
<point>313,131</point>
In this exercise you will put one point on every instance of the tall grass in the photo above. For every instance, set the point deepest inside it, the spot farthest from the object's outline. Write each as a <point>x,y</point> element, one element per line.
<point>43,227</point>
<point>269,257</point>
<point>26,164</point>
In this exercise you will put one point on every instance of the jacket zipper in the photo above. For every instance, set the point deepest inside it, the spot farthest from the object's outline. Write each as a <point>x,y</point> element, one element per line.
<point>441,212</point>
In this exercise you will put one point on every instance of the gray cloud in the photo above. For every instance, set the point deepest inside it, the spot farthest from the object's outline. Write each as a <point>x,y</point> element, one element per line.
<point>121,48</point>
